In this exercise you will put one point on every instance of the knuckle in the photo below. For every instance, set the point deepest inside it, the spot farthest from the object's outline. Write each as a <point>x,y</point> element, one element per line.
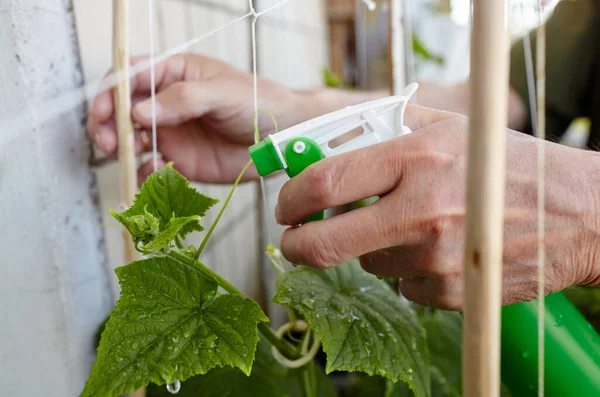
<point>320,254</point>
<point>438,227</point>
<point>185,92</point>
<point>321,182</point>
<point>284,202</point>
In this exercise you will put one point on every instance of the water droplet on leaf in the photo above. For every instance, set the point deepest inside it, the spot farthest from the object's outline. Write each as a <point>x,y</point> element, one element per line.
<point>310,303</point>
<point>174,387</point>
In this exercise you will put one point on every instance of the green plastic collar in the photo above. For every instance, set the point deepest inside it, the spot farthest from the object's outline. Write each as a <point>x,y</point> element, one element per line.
<point>265,157</point>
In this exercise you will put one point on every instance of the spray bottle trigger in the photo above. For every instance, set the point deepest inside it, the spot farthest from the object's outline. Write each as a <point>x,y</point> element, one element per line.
<point>299,154</point>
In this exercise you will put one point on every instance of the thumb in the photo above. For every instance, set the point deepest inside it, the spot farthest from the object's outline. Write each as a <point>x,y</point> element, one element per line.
<point>176,104</point>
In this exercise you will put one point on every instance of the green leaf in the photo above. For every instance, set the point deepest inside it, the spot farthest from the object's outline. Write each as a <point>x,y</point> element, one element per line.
<point>439,387</point>
<point>165,238</point>
<point>267,379</point>
<point>361,322</point>
<point>167,194</point>
<point>143,228</point>
<point>399,389</point>
<point>168,324</point>
<point>420,50</point>
<point>444,339</point>
<point>331,79</point>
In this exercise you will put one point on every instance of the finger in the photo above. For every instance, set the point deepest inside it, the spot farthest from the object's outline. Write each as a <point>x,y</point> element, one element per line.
<point>92,128</point>
<point>166,72</point>
<point>331,242</point>
<point>180,102</point>
<point>104,136</point>
<point>412,261</point>
<point>143,142</point>
<point>441,293</point>
<point>146,169</point>
<point>339,180</point>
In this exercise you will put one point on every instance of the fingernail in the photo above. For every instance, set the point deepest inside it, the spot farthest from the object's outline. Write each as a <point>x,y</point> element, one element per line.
<point>106,140</point>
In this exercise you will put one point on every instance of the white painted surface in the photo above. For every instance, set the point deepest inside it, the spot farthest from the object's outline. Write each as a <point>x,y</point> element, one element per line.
<point>54,282</point>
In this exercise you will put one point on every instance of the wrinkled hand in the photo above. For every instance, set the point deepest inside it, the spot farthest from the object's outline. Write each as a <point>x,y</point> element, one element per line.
<point>205,115</point>
<point>415,231</point>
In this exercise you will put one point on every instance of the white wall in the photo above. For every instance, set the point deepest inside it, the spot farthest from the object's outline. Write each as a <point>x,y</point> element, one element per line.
<point>54,288</point>
<point>292,50</point>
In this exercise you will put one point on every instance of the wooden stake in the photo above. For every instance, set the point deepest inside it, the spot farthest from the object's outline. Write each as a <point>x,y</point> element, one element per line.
<point>122,98</point>
<point>397,42</point>
<point>485,199</point>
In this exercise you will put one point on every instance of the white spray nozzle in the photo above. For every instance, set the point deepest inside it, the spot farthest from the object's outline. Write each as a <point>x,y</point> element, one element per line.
<point>358,126</point>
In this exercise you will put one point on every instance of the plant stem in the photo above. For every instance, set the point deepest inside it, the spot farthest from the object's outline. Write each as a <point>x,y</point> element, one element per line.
<point>226,285</point>
<point>214,224</point>
<point>283,346</point>
<point>178,242</point>
<point>307,379</point>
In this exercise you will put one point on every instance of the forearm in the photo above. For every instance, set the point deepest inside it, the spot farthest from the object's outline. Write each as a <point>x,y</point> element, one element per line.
<point>451,98</point>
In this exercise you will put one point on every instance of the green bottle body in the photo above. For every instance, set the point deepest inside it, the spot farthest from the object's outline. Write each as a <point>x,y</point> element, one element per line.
<point>571,350</point>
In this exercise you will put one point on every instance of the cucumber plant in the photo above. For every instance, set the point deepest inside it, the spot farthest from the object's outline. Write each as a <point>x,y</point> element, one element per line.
<point>177,321</point>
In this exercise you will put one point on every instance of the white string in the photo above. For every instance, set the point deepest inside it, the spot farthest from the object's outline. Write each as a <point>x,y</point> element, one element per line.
<point>530,83</point>
<point>254,69</point>
<point>153,84</point>
<point>255,16</point>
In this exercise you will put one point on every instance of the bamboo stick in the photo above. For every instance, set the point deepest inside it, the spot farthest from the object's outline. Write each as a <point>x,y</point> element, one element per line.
<point>397,48</point>
<point>122,98</point>
<point>485,200</point>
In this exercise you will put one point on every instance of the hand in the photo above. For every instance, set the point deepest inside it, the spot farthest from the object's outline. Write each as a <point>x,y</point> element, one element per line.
<point>415,231</point>
<point>204,114</point>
